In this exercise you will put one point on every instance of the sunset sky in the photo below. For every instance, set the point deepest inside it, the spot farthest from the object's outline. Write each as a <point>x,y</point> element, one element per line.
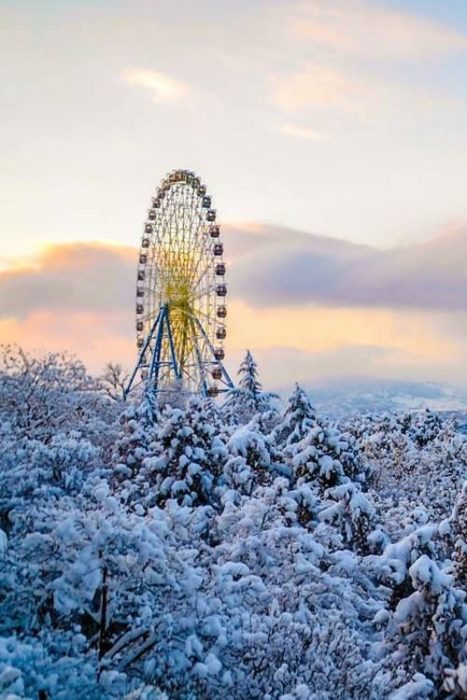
<point>332,135</point>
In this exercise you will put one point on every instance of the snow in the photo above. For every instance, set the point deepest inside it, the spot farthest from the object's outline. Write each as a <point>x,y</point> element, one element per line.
<point>3,543</point>
<point>251,552</point>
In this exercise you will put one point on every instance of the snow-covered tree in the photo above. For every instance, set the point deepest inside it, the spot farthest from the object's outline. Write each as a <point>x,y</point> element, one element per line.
<point>248,397</point>
<point>298,419</point>
<point>351,514</point>
<point>427,632</point>
<point>40,396</point>
<point>189,454</point>
<point>327,457</point>
<point>425,427</point>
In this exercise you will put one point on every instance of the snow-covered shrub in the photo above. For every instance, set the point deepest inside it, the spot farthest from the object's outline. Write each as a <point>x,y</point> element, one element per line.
<point>188,456</point>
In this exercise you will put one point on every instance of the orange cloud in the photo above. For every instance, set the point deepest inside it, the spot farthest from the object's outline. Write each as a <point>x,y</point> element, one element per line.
<point>411,335</point>
<point>320,86</point>
<point>95,338</point>
<point>81,298</point>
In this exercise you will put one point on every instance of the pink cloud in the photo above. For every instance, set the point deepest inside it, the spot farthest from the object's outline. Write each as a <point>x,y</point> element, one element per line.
<point>287,288</point>
<point>371,29</point>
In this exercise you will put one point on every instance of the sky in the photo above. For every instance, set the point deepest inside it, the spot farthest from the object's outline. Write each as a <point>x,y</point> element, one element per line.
<point>332,135</point>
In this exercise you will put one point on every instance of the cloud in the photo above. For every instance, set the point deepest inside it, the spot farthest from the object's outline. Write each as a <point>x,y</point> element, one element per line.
<point>164,88</point>
<point>409,336</point>
<point>371,29</point>
<point>95,337</point>
<point>309,303</point>
<point>351,90</point>
<point>352,56</point>
<point>318,86</point>
<point>289,268</point>
<point>77,297</point>
<point>268,267</point>
<point>301,132</point>
<point>76,277</point>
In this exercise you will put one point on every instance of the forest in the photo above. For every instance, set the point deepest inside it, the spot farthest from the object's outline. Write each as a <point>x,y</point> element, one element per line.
<point>248,548</point>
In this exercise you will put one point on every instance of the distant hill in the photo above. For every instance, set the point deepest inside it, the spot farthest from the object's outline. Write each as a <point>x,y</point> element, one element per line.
<point>366,395</point>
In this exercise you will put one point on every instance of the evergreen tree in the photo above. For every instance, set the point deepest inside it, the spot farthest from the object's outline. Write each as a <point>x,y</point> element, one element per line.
<point>138,427</point>
<point>248,397</point>
<point>248,376</point>
<point>298,419</point>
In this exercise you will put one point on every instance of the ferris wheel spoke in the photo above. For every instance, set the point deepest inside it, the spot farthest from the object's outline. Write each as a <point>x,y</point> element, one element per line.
<point>207,290</point>
<point>196,287</point>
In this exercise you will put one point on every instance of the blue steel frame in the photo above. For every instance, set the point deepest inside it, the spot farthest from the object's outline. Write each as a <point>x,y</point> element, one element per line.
<point>150,359</point>
<point>227,380</point>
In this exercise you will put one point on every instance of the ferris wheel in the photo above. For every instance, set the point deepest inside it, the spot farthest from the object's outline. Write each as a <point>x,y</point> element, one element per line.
<point>181,292</point>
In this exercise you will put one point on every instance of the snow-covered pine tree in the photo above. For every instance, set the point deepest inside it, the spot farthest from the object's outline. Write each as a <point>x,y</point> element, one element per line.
<point>248,397</point>
<point>297,420</point>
